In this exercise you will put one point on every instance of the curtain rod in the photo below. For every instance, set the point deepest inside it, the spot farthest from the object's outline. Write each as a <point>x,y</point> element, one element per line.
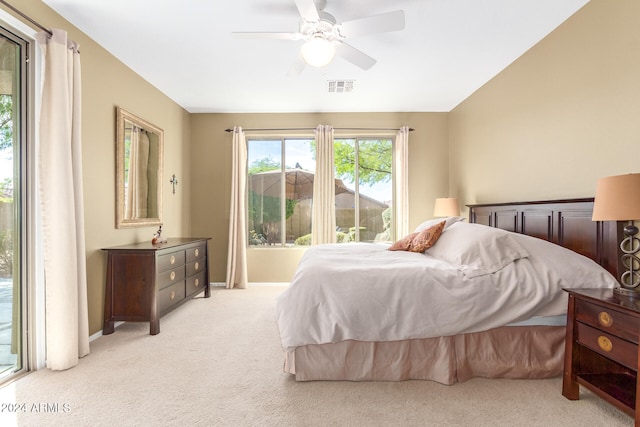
<point>27,17</point>
<point>281,129</point>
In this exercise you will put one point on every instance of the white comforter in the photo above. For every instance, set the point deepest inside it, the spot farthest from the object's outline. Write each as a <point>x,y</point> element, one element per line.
<point>364,292</point>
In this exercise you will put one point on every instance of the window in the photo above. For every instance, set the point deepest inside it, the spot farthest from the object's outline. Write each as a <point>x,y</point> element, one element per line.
<point>13,213</point>
<point>280,190</point>
<point>365,166</point>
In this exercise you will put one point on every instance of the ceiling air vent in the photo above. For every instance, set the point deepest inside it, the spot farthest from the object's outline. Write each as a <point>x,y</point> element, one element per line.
<point>340,86</point>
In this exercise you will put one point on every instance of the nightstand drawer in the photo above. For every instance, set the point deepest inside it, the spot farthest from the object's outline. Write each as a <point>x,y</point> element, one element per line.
<point>609,321</point>
<point>612,347</point>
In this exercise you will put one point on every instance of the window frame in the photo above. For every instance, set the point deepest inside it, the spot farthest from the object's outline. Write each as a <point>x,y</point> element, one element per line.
<point>368,137</point>
<point>33,301</point>
<point>357,136</point>
<point>283,167</point>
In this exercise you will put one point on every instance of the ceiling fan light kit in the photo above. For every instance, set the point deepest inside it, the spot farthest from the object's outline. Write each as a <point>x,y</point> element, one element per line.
<point>318,51</point>
<point>325,37</point>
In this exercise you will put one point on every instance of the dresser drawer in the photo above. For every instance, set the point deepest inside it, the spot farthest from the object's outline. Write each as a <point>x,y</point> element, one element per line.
<point>170,277</point>
<point>195,283</point>
<point>195,253</point>
<point>195,267</point>
<point>171,260</point>
<point>171,295</point>
<point>607,320</point>
<point>612,347</point>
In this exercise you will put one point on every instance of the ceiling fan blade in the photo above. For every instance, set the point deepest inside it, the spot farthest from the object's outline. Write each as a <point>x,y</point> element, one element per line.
<point>385,22</point>
<point>308,11</point>
<point>267,35</point>
<point>355,56</point>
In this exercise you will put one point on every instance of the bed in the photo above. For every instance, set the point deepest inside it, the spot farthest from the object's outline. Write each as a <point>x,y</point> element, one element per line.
<point>485,300</point>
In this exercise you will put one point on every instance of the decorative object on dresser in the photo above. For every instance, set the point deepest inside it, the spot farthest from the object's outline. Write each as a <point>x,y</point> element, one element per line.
<point>146,281</point>
<point>157,237</point>
<point>601,347</point>
<point>446,206</point>
<point>618,199</point>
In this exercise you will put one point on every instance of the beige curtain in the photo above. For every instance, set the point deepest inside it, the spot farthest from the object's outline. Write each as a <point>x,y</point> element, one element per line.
<point>401,168</point>
<point>61,203</point>
<point>237,255</point>
<point>137,179</point>
<point>323,213</point>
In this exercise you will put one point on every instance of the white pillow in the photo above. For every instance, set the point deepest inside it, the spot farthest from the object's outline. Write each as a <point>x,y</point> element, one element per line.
<point>569,269</point>
<point>476,249</point>
<point>431,222</point>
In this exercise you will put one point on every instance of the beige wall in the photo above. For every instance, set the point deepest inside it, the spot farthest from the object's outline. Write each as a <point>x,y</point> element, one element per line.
<point>107,83</point>
<point>428,176</point>
<point>561,116</point>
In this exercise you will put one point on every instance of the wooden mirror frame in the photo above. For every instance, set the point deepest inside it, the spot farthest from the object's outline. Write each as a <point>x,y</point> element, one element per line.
<point>122,117</point>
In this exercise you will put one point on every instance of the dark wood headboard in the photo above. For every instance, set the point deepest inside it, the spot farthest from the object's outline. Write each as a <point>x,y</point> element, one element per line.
<point>564,222</point>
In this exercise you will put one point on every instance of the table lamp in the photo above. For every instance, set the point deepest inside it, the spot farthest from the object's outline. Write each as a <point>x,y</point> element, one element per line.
<point>446,206</point>
<point>618,199</point>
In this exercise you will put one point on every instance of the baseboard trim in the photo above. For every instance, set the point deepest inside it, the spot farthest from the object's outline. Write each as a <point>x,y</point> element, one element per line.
<point>268,283</point>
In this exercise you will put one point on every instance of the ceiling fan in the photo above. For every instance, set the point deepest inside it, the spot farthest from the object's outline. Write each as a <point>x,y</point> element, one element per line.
<point>324,36</point>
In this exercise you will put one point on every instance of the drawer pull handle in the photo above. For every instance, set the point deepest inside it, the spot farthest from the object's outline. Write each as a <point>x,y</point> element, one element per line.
<point>197,252</point>
<point>605,319</point>
<point>172,260</point>
<point>196,282</point>
<point>173,295</point>
<point>172,275</point>
<point>605,343</point>
<point>197,266</point>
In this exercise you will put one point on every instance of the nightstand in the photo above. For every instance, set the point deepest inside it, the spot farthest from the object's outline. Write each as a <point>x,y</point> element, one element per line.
<point>601,347</point>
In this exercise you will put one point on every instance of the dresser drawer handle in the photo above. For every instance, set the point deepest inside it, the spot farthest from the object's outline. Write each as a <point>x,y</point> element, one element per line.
<point>197,252</point>
<point>197,266</point>
<point>172,260</point>
<point>173,295</point>
<point>605,343</point>
<point>196,282</point>
<point>605,319</point>
<point>172,276</point>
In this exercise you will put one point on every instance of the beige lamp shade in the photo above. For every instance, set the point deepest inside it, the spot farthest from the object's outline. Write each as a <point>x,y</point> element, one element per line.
<point>617,198</point>
<point>446,207</point>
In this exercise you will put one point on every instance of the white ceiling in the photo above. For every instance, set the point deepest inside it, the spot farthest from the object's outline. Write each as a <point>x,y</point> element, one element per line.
<point>185,48</point>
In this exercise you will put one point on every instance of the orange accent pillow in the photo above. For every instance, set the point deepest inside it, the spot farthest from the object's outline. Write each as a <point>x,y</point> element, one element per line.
<point>427,238</point>
<point>403,244</point>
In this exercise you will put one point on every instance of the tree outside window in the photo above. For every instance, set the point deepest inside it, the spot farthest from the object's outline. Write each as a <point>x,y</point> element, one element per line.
<point>6,186</point>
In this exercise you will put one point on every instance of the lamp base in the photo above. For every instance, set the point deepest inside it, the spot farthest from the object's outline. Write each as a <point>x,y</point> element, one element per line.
<point>630,246</point>
<point>632,293</point>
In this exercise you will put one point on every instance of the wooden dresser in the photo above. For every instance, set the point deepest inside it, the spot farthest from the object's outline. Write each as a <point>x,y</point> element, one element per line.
<point>601,350</point>
<point>146,281</point>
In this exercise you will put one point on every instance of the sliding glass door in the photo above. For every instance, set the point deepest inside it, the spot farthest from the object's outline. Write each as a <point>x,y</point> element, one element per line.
<point>12,201</point>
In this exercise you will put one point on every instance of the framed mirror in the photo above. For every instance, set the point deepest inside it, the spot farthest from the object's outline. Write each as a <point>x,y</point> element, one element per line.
<point>139,147</point>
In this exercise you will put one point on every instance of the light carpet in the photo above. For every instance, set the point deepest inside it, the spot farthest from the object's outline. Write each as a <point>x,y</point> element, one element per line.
<point>218,362</point>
